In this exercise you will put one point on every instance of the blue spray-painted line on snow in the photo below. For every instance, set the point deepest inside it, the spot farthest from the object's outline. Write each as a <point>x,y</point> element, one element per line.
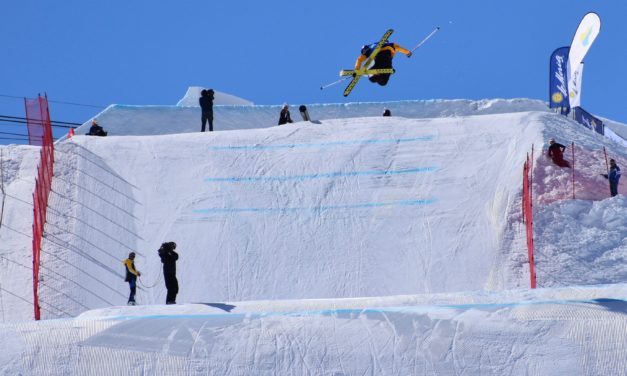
<point>315,208</point>
<point>359,311</point>
<point>322,175</point>
<point>324,144</point>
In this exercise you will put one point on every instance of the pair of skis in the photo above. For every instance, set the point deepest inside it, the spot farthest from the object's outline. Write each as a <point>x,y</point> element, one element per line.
<point>357,74</point>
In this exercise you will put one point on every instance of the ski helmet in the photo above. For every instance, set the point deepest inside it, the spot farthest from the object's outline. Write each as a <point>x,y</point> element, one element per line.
<point>364,49</point>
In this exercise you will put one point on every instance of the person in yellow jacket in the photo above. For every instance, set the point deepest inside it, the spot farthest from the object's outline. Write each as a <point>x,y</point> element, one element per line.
<point>131,276</point>
<point>383,60</point>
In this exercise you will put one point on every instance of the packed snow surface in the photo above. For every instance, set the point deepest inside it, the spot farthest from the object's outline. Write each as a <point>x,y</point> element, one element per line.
<point>352,244</point>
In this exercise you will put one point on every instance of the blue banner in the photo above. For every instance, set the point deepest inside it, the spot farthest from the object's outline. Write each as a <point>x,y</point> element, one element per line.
<point>558,80</point>
<point>587,120</point>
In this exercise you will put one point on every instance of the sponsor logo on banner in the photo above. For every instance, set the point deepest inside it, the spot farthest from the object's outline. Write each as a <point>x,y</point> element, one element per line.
<point>585,37</point>
<point>588,120</point>
<point>575,91</point>
<point>586,33</point>
<point>558,79</point>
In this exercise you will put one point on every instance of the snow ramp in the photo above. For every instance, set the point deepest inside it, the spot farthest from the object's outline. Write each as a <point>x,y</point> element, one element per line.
<point>356,207</point>
<point>125,120</point>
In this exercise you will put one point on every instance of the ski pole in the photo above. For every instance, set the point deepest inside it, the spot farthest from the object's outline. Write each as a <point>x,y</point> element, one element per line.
<point>334,82</point>
<point>426,38</point>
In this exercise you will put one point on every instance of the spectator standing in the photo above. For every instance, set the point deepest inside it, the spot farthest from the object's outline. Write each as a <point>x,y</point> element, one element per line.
<point>556,153</point>
<point>131,276</point>
<point>285,117</point>
<point>613,177</point>
<point>206,106</point>
<point>168,258</point>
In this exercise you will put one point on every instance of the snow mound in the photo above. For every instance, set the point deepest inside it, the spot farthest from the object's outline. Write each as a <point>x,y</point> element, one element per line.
<point>193,93</point>
<point>126,120</point>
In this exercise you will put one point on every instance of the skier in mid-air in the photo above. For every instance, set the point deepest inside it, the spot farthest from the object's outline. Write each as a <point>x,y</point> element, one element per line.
<point>383,60</point>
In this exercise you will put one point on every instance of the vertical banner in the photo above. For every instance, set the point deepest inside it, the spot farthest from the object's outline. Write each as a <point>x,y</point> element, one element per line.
<point>586,33</point>
<point>575,101</point>
<point>558,79</point>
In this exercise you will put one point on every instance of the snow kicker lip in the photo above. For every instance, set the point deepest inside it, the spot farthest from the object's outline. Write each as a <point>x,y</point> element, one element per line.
<point>315,209</point>
<point>322,144</point>
<point>611,304</point>
<point>324,175</point>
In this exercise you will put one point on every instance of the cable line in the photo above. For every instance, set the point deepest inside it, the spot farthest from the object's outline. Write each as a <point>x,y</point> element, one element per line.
<point>53,101</point>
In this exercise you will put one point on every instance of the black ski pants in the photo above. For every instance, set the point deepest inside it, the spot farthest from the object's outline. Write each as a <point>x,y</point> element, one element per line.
<point>207,117</point>
<point>383,60</point>
<point>172,285</point>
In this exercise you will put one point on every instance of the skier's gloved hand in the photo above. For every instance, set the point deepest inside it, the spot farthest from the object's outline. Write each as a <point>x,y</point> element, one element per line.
<point>409,54</point>
<point>354,75</point>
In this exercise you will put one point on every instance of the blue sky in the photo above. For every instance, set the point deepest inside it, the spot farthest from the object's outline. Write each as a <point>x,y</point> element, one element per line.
<point>148,52</point>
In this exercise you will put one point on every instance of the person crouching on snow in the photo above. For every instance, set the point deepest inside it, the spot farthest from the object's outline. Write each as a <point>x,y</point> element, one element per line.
<point>556,153</point>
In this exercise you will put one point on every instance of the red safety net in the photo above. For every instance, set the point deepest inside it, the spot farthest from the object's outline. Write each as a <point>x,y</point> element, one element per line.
<point>40,133</point>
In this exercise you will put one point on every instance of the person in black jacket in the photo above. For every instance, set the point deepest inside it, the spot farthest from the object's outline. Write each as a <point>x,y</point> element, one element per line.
<point>168,258</point>
<point>556,153</point>
<point>206,105</point>
<point>95,129</point>
<point>285,117</point>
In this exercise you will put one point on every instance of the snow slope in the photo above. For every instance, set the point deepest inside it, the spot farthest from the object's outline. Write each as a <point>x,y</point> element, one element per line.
<point>347,246</point>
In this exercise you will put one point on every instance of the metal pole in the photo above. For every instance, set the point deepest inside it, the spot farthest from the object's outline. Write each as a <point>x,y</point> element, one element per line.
<point>334,82</point>
<point>426,38</point>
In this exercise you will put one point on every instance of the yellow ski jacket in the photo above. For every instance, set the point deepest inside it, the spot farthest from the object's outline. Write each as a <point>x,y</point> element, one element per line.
<point>130,266</point>
<point>392,47</point>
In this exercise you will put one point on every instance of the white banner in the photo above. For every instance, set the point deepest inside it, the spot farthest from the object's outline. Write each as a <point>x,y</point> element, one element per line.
<point>586,33</point>
<point>575,88</point>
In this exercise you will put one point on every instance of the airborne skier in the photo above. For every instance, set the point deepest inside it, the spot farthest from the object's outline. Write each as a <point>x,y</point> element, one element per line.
<point>382,60</point>
<point>381,54</point>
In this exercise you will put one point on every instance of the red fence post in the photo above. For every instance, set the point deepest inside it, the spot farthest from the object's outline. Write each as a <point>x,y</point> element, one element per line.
<point>573,150</point>
<point>607,167</point>
<point>528,218</point>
